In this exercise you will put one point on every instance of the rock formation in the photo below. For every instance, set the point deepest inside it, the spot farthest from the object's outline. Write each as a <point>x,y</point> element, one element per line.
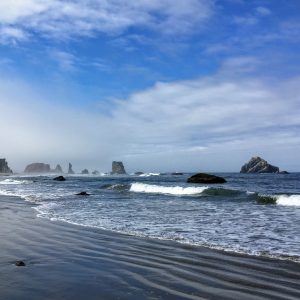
<point>85,171</point>
<point>4,169</point>
<point>95,172</point>
<point>117,168</point>
<point>58,169</point>
<point>37,168</point>
<point>83,194</point>
<point>60,178</point>
<point>258,165</point>
<point>205,178</point>
<point>70,170</point>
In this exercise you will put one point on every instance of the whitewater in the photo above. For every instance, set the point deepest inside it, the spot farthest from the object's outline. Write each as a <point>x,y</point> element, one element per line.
<point>230,217</point>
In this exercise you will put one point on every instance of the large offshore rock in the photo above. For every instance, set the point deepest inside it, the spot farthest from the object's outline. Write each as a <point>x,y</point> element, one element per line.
<point>258,165</point>
<point>70,170</point>
<point>205,178</point>
<point>118,168</point>
<point>37,168</point>
<point>85,171</point>
<point>4,169</point>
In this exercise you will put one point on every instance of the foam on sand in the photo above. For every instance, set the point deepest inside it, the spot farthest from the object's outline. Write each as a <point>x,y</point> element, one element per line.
<point>171,190</point>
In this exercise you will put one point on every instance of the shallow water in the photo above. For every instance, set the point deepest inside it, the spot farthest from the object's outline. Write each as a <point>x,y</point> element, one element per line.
<point>227,217</point>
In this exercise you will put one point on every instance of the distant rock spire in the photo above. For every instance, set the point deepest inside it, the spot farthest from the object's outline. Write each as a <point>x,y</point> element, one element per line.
<point>4,167</point>
<point>118,168</point>
<point>70,170</point>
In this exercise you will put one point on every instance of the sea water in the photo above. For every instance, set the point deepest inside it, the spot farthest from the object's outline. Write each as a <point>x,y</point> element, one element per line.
<point>257,214</point>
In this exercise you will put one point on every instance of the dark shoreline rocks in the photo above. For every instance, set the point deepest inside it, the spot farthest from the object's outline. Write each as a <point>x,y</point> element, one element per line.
<point>205,178</point>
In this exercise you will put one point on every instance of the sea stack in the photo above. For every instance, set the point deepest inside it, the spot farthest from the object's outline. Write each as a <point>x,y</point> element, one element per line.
<point>85,171</point>
<point>58,169</point>
<point>37,168</point>
<point>70,170</point>
<point>258,165</point>
<point>117,168</point>
<point>4,169</point>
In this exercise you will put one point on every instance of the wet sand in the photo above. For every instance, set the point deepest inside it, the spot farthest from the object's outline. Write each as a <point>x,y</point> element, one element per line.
<point>64,261</point>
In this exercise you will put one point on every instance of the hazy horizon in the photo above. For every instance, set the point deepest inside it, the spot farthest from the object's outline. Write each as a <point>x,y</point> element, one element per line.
<point>164,86</point>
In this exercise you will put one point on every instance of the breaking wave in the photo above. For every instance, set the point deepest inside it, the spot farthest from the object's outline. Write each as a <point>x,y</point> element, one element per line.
<point>170,190</point>
<point>288,200</point>
<point>13,181</point>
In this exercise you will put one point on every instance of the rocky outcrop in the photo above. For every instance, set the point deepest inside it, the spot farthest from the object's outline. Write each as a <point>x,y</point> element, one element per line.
<point>85,172</point>
<point>95,172</point>
<point>258,165</point>
<point>117,168</point>
<point>177,173</point>
<point>70,170</point>
<point>59,178</point>
<point>83,194</point>
<point>205,178</point>
<point>4,169</point>
<point>139,173</point>
<point>58,169</point>
<point>37,168</point>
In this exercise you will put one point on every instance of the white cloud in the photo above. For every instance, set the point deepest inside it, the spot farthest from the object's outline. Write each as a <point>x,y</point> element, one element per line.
<point>263,11</point>
<point>214,123</point>
<point>65,19</point>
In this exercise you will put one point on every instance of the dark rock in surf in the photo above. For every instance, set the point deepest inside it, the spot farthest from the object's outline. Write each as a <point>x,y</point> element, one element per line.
<point>258,165</point>
<point>139,173</point>
<point>83,194</point>
<point>4,169</point>
<point>20,263</point>
<point>70,170</point>
<point>59,178</point>
<point>284,172</point>
<point>117,168</point>
<point>85,172</point>
<point>176,173</point>
<point>205,178</point>
<point>95,172</point>
<point>37,168</point>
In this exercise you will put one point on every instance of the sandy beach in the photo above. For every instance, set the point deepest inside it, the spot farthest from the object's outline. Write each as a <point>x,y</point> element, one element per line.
<point>64,261</point>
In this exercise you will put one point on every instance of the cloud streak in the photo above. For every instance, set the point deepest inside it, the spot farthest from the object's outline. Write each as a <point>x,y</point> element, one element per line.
<point>67,19</point>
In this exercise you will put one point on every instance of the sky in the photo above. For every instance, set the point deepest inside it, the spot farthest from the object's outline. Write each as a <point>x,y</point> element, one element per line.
<point>162,85</point>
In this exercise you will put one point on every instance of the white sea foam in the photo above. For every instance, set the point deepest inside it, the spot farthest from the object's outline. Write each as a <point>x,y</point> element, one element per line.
<point>171,190</point>
<point>13,181</point>
<point>149,174</point>
<point>288,200</point>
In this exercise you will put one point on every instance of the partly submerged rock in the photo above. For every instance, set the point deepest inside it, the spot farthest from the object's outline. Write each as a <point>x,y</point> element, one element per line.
<point>176,173</point>
<point>139,173</point>
<point>85,171</point>
<point>37,168</point>
<point>205,178</point>
<point>83,194</point>
<point>117,168</point>
<point>70,170</point>
<point>284,172</point>
<point>20,263</point>
<point>59,178</point>
<point>258,165</point>
<point>4,169</point>
<point>95,172</point>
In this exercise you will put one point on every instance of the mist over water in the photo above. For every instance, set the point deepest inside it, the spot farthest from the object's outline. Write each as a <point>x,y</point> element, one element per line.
<point>227,216</point>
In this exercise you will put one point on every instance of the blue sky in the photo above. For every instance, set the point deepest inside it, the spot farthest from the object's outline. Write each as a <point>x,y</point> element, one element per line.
<point>162,85</point>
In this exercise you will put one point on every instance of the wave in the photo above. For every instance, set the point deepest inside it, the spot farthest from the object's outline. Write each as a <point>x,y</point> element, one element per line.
<point>284,200</point>
<point>14,181</point>
<point>149,174</point>
<point>288,200</point>
<point>170,190</point>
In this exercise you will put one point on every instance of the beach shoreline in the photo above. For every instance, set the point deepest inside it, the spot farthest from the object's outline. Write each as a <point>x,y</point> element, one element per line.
<point>65,261</point>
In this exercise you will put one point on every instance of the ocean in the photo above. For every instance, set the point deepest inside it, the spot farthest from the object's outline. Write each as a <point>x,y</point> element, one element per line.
<point>255,214</point>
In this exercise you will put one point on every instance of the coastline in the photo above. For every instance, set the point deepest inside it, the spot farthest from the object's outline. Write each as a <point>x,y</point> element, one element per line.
<point>65,261</point>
